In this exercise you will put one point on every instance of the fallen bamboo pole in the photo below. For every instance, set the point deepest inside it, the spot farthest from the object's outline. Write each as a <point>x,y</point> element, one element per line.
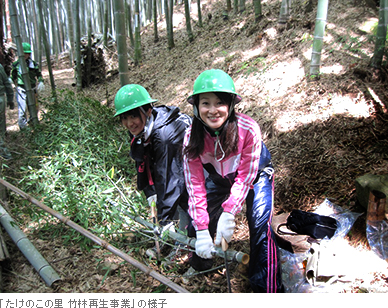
<point>40,264</point>
<point>164,280</point>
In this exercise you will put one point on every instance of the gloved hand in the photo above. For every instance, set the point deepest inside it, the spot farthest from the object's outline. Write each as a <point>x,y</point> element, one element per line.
<point>204,244</point>
<point>167,229</point>
<point>151,199</point>
<point>40,86</point>
<point>225,228</point>
<point>11,105</point>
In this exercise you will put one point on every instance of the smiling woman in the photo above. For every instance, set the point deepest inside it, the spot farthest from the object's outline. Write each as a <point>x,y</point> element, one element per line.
<point>212,110</point>
<point>229,146</point>
<point>156,138</point>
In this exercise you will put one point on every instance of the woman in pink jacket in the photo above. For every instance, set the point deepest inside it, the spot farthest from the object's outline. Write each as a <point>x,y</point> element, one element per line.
<point>225,164</point>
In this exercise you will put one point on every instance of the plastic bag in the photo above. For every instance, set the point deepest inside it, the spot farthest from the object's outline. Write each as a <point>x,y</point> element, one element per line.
<point>345,217</point>
<point>377,225</point>
<point>377,236</point>
<point>294,265</point>
<point>293,270</point>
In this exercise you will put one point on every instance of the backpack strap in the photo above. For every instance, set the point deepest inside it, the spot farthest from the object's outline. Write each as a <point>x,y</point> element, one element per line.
<point>282,232</point>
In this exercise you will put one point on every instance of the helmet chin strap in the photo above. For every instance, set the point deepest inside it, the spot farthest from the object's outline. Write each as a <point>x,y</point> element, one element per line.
<point>149,125</point>
<point>218,144</point>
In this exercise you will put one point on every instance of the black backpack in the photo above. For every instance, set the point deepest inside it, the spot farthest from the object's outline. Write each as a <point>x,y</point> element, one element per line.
<point>307,223</point>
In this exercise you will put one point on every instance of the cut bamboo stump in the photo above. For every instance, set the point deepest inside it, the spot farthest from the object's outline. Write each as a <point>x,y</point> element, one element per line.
<point>376,206</point>
<point>371,182</point>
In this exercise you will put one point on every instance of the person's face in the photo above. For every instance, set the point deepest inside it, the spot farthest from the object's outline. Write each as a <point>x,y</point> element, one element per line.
<point>135,124</point>
<point>27,55</point>
<point>212,110</point>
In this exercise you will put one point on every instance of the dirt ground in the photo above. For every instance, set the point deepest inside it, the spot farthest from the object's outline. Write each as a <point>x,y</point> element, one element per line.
<point>322,134</point>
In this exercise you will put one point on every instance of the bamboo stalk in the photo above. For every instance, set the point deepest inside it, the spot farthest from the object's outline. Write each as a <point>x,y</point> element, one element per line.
<point>24,70</point>
<point>285,11</point>
<point>381,35</point>
<point>40,264</point>
<point>319,32</point>
<point>164,280</point>
<point>232,255</point>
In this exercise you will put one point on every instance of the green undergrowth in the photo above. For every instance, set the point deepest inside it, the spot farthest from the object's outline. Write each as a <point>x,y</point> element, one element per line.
<point>76,163</point>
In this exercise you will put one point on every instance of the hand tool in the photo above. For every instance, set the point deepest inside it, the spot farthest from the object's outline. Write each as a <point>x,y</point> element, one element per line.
<point>154,214</point>
<point>224,246</point>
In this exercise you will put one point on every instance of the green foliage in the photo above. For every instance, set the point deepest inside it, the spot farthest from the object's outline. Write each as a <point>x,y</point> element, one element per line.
<point>307,37</point>
<point>77,161</point>
<point>160,289</point>
<point>349,43</point>
<point>133,275</point>
<point>257,65</point>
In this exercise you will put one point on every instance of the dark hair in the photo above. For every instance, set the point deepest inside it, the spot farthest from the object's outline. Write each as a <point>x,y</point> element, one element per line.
<point>135,112</point>
<point>228,135</point>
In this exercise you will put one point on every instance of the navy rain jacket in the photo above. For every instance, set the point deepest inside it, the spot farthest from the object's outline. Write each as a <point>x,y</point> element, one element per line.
<point>159,161</point>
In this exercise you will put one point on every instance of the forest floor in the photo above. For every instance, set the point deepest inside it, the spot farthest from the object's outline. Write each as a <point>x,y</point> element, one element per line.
<point>322,134</point>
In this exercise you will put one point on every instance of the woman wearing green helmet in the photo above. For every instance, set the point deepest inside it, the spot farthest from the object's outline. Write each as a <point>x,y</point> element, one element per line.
<point>156,142</point>
<point>229,147</point>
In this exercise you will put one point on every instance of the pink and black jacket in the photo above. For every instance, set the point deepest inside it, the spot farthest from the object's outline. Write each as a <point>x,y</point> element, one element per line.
<point>244,176</point>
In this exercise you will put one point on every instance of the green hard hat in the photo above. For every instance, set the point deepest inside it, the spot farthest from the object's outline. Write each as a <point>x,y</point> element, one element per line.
<point>26,48</point>
<point>213,80</point>
<point>130,97</point>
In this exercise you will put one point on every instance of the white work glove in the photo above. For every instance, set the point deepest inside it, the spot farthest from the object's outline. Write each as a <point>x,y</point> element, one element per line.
<point>204,244</point>
<point>40,86</point>
<point>167,229</point>
<point>151,199</point>
<point>225,228</point>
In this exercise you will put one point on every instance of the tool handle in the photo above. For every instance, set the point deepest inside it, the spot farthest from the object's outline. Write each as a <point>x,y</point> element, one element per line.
<point>224,245</point>
<point>154,212</point>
